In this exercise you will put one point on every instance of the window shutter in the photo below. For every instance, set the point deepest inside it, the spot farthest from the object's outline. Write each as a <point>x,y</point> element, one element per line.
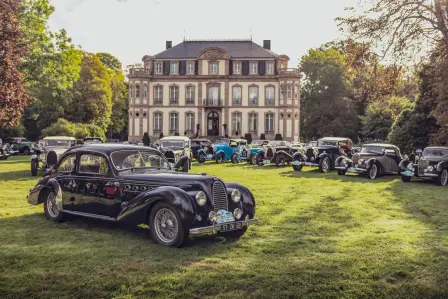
<point>182,67</point>
<point>261,67</point>
<point>196,67</point>
<point>230,67</point>
<point>166,68</point>
<point>275,68</point>
<point>245,67</point>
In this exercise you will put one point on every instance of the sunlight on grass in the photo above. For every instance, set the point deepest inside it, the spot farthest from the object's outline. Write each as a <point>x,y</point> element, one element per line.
<point>320,235</point>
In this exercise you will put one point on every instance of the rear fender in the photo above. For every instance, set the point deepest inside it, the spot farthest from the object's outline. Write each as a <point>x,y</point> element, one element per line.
<point>137,210</point>
<point>47,183</point>
<point>341,159</point>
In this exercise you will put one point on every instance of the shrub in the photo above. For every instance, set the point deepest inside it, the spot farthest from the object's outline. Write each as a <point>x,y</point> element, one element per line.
<point>161,135</point>
<point>146,140</point>
<point>278,137</point>
<point>248,137</point>
<point>263,137</point>
<point>78,130</point>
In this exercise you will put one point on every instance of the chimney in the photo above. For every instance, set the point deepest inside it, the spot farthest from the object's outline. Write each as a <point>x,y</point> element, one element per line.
<point>267,44</point>
<point>169,44</point>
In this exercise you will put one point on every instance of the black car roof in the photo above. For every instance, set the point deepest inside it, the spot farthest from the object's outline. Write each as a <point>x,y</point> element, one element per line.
<point>107,148</point>
<point>200,139</point>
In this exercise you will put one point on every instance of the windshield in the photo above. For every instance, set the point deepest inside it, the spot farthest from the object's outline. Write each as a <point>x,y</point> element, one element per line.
<point>257,142</point>
<point>59,143</point>
<point>125,160</point>
<point>279,143</point>
<point>200,143</point>
<point>172,144</point>
<point>372,149</point>
<point>435,152</point>
<point>327,142</point>
<point>222,141</point>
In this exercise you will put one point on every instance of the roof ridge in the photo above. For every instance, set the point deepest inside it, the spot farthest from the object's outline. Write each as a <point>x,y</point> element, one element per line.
<point>218,40</point>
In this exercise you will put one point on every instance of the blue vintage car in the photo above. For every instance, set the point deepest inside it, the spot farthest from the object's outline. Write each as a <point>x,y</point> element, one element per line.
<point>230,149</point>
<point>207,153</point>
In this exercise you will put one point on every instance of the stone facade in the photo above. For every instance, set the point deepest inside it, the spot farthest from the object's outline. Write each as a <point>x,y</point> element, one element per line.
<point>211,84</point>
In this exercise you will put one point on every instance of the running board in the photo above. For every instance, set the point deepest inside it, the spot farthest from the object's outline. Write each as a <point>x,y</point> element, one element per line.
<point>107,218</point>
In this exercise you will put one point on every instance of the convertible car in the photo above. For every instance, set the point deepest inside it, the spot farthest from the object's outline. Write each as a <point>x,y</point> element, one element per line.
<point>137,185</point>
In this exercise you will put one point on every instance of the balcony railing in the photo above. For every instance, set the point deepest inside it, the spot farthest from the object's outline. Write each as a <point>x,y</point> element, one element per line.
<point>174,101</point>
<point>289,72</point>
<point>158,101</point>
<point>212,103</point>
<point>139,72</point>
<point>189,101</point>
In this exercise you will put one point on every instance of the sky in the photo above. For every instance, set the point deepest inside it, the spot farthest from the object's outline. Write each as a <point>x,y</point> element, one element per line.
<point>130,29</point>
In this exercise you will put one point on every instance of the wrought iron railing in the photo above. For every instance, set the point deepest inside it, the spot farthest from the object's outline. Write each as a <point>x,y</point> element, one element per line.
<point>289,72</point>
<point>140,72</point>
<point>212,103</point>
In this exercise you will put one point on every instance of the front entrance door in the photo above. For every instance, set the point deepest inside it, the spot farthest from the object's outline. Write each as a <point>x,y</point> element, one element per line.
<point>213,124</point>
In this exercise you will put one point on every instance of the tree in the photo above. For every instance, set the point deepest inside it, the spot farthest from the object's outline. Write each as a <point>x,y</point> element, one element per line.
<point>326,109</point>
<point>13,95</point>
<point>380,116</point>
<point>146,141</point>
<point>110,61</point>
<point>92,94</point>
<point>63,127</point>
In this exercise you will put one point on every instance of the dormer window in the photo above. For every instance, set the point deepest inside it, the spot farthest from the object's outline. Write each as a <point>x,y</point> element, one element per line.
<point>190,68</point>
<point>237,68</point>
<point>174,68</point>
<point>158,68</point>
<point>213,68</point>
<point>270,70</point>
<point>253,68</point>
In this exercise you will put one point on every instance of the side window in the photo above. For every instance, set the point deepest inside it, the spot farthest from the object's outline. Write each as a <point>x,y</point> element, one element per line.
<point>68,164</point>
<point>93,164</point>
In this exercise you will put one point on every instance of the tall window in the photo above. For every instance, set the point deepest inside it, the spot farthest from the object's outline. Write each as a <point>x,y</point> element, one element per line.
<point>174,95</point>
<point>213,68</point>
<point>270,95</point>
<point>253,95</point>
<point>282,92</point>
<point>270,68</point>
<point>174,68</point>
<point>236,122</point>
<point>137,91</point>
<point>237,68</point>
<point>253,68</point>
<point>253,123</point>
<point>190,68</point>
<point>296,92</point>
<point>269,123</point>
<point>158,121</point>
<point>130,90</point>
<point>213,95</point>
<point>289,92</point>
<point>190,122</point>
<point>190,95</point>
<point>236,95</point>
<point>158,95</point>
<point>174,122</point>
<point>158,68</point>
<point>145,91</point>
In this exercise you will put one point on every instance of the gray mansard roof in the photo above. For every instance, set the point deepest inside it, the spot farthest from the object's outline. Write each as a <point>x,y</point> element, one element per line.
<point>236,50</point>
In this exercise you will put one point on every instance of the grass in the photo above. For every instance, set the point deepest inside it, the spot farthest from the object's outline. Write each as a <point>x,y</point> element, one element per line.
<point>319,236</point>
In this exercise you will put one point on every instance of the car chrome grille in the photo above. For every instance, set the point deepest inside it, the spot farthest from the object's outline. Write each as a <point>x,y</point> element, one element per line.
<point>219,194</point>
<point>355,159</point>
<point>422,165</point>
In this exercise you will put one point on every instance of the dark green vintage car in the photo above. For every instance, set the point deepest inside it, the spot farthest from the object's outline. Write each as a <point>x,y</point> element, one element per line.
<point>21,145</point>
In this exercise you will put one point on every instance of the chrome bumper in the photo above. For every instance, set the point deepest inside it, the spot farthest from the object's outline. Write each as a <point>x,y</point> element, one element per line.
<point>296,163</point>
<point>425,175</point>
<point>215,228</point>
<point>351,169</point>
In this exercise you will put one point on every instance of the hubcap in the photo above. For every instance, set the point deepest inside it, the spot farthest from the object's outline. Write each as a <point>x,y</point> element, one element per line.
<point>52,208</point>
<point>444,179</point>
<point>325,165</point>
<point>165,225</point>
<point>254,159</point>
<point>373,171</point>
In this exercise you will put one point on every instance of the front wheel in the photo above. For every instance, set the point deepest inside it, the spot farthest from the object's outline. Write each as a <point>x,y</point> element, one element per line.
<point>26,151</point>
<point>219,159</point>
<point>51,208</point>
<point>166,226</point>
<point>235,158</point>
<point>34,167</point>
<point>253,159</point>
<point>201,158</point>
<point>443,177</point>
<point>234,234</point>
<point>297,167</point>
<point>186,166</point>
<point>260,160</point>
<point>373,172</point>
<point>406,178</point>
<point>324,165</point>
<point>279,160</point>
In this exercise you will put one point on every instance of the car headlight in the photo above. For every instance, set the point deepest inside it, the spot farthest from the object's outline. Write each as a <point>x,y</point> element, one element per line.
<point>237,213</point>
<point>201,198</point>
<point>42,156</point>
<point>430,168</point>
<point>410,166</point>
<point>212,216</point>
<point>236,195</point>
<point>361,161</point>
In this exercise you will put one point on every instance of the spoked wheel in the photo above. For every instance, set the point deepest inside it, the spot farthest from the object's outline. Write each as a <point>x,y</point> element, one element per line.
<point>443,177</point>
<point>279,161</point>
<point>166,226</point>
<point>34,168</point>
<point>373,172</point>
<point>297,167</point>
<point>324,165</point>
<point>201,158</point>
<point>27,151</point>
<point>260,160</point>
<point>253,159</point>
<point>51,208</point>
<point>219,159</point>
<point>235,158</point>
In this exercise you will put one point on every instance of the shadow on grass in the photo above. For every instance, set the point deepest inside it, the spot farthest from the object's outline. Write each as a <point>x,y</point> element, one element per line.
<point>332,175</point>
<point>17,175</point>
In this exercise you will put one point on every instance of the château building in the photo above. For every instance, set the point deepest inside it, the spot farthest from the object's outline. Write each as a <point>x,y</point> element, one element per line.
<point>220,87</point>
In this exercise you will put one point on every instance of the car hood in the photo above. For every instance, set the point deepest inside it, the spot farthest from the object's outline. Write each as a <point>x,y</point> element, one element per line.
<point>365,155</point>
<point>433,159</point>
<point>175,151</point>
<point>169,177</point>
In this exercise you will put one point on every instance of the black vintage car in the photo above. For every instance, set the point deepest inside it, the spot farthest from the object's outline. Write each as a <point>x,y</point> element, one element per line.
<point>278,151</point>
<point>372,159</point>
<point>324,155</point>
<point>202,143</point>
<point>136,185</point>
<point>431,164</point>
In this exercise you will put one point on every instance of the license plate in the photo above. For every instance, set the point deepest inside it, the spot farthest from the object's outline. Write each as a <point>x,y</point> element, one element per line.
<point>224,217</point>
<point>408,173</point>
<point>231,226</point>
<point>267,161</point>
<point>209,156</point>
<point>351,169</point>
<point>295,162</point>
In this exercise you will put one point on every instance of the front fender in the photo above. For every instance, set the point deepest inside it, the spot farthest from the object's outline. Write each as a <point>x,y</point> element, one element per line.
<point>34,157</point>
<point>220,152</point>
<point>403,164</point>
<point>137,210</point>
<point>370,162</point>
<point>298,156</point>
<point>282,153</point>
<point>440,166</point>
<point>180,162</point>
<point>339,161</point>
<point>247,198</point>
<point>200,151</point>
<point>36,195</point>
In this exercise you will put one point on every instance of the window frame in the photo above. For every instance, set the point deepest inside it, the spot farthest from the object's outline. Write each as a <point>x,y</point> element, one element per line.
<point>175,130</point>
<point>187,119</point>
<point>266,130</point>
<point>174,100</point>
<point>174,70</point>
<point>237,68</point>
<point>266,95</point>
<point>160,122</point>
<point>289,91</point>
<point>188,99</point>
<point>159,68</point>
<point>145,91</point>
<point>253,66</point>
<point>93,154</point>
<point>161,94</point>
<point>234,123</point>
<point>190,64</point>
<point>212,63</point>
<point>249,115</point>
<point>241,95</point>
<point>74,164</point>
<point>270,68</point>
<point>257,95</point>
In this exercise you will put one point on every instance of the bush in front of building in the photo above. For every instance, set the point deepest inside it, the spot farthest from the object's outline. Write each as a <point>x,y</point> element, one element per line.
<point>278,137</point>
<point>146,140</point>
<point>263,137</point>
<point>248,137</point>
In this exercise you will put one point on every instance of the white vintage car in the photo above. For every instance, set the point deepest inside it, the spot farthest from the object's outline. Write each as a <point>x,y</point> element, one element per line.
<point>177,150</point>
<point>50,149</point>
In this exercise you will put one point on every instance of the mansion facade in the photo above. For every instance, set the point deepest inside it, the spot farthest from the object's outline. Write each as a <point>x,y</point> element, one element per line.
<point>231,87</point>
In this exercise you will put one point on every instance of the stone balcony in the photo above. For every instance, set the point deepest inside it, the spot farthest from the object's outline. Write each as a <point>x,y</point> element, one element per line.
<point>139,72</point>
<point>289,72</point>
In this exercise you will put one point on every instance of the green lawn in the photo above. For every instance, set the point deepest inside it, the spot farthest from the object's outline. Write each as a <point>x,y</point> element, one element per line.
<point>319,236</point>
